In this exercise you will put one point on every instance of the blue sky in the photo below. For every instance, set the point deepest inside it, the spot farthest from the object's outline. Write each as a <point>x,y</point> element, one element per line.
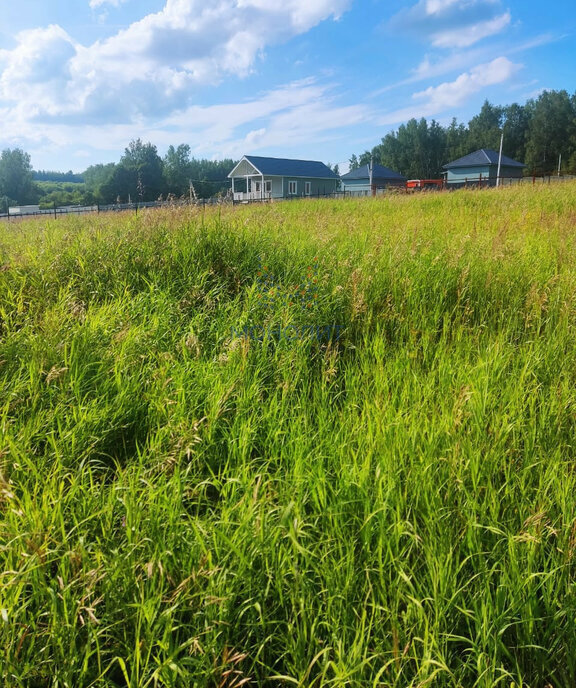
<point>316,79</point>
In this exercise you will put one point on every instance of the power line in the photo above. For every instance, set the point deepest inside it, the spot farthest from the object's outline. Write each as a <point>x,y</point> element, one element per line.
<point>211,181</point>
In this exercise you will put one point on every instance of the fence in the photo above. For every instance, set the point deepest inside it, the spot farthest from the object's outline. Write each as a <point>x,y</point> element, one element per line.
<point>485,182</point>
<point>254,198</point>
<point>112,207</point>
<point>471,182</point>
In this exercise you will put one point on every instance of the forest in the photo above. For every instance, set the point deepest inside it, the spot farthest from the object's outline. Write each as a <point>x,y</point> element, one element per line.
<point>541,133</point>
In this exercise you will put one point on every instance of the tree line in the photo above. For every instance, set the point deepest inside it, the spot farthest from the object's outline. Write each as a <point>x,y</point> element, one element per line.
<point>541,134</point>
<point>140,175</point>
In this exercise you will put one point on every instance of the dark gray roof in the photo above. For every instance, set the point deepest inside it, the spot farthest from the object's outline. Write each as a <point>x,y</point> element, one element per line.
<point>283,167</point>
<point>481,158</point>
<point>378,172</point>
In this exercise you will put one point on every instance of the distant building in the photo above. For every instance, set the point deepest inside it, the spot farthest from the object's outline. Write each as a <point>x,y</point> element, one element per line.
<point>357,182</point>
<point>23,209</point>
<point>481,167</point>
<point>267,178</point>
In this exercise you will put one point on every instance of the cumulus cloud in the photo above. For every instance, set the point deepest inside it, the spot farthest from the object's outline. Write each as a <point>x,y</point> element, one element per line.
<point>453,23</point>
<point>153,66</point>
<point>38,58</point>
<point>452,94</point>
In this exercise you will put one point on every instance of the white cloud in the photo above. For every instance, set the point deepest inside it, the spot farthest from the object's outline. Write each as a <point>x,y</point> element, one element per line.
<point>452,94</point>
<point>438,6</point>
<point>428,68</point>
<point>304,113</point>
<point>453,23</point>
<point>462,37</point>
<point>439,63</point>
<point>153,66</point>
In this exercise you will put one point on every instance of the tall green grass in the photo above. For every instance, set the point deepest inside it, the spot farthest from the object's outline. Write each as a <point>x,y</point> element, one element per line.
<point>182,505</point>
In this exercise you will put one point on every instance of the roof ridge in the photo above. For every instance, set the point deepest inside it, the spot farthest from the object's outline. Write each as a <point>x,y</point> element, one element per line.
<point>270,157</point>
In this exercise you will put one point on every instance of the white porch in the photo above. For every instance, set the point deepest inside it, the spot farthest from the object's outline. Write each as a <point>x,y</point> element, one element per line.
<point>252,195</point>
<point>256,187</point>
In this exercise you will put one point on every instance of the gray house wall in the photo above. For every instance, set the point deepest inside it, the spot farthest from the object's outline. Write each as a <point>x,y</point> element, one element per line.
<point>461,175</point>
<point>317,186</point>
<point>361,187</point>
<point>280,186</point>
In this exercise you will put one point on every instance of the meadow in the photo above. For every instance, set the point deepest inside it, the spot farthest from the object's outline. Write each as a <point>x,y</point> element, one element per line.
<point>315,443</point>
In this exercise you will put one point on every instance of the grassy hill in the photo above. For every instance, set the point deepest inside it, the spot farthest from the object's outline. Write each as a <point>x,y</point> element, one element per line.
<point>320,443</point>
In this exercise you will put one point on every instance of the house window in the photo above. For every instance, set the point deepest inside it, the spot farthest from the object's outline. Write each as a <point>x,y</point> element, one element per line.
<point>307,188</point>
<point>292,188</point>
<point>268,186</point>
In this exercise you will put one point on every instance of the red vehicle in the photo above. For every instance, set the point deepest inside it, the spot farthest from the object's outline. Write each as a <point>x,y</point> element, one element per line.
<point>420,184</point>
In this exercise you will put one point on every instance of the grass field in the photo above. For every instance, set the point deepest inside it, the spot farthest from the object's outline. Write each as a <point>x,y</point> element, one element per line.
<point>208,482</point>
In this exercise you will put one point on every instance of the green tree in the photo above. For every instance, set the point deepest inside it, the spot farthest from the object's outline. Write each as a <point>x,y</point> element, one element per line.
<point>388,153</point>
<point>210,177</point>
<point>177,169</point>
<point>97,179</point>
<point>16,181</point>
<point>418,149</point>
<point>354,164</point>
<point>436,148</point>
<point>456,141</point>
<point>485,129</point>
<point>516,123</point>
<point>138,176</point>
<point>551,131</point>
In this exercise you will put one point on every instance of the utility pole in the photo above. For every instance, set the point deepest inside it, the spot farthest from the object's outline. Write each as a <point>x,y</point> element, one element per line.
<point>371,175</point>
<point>500,158</point>
<point>559,163</point>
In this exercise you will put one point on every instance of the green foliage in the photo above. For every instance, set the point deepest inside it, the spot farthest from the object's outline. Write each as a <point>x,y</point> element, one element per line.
<point>96,176</point>
<point>182,506</point>
<point>335,168</point>
<point>6,202</point>
<point>210,176</point>
<point>416,150</point>
<point>177,170</point>
<point>552,130</point>
<point>536,133</point>
<point>62,194</point>
<point>51,176</point>
<point>139,174</point>
<point>16,178</point>
<point>485,129</point>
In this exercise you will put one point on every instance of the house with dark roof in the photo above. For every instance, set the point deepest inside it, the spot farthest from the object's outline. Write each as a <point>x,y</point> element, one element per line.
<point>259,178</point>
<point>360,182</point>
<point>481,167</point>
